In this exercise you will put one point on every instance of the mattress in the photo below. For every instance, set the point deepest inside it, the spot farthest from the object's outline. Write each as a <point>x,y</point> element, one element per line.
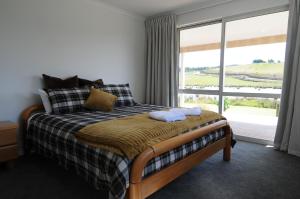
<point>53,137</point>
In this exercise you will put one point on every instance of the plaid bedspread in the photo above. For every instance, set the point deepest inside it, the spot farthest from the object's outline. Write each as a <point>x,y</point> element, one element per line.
<point>53,136</point>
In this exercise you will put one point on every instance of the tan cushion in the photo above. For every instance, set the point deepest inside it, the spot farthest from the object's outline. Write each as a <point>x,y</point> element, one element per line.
<point>100,100</point>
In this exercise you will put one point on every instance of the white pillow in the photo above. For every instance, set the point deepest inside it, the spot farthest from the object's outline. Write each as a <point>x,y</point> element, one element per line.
<point>46,101</point>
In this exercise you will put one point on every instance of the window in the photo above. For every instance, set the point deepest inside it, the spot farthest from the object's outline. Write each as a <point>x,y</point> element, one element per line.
<point>235,67</point>
<point>208,102</point>
<point>254,53</point>
<point>196,45</point>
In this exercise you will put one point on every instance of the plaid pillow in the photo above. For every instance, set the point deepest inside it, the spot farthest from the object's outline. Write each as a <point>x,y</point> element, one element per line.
<point>68,100</point>
<point>122,91</point>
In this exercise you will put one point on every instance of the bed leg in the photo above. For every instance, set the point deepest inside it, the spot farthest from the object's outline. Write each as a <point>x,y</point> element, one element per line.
<point>135,191</point>
<point>227,149</point>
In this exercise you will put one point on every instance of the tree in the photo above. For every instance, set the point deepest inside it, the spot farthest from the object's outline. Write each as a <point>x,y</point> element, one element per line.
<point>271,61</point>
<point>258,61</point>
<point>226,104</point>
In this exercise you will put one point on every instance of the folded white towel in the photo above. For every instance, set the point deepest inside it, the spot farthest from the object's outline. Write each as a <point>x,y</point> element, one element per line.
<point>167,116</point>
<point>196,111</point>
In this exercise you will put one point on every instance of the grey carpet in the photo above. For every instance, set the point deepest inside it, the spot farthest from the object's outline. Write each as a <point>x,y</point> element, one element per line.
<point>254,172</point>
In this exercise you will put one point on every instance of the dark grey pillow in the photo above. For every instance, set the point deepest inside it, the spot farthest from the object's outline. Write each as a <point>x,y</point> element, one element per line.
<point>56,83</point>
<point>85,82</point>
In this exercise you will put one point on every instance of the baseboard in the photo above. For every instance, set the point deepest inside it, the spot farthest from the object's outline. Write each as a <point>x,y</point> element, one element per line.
<point>294,152</point>
<point>254,140</point>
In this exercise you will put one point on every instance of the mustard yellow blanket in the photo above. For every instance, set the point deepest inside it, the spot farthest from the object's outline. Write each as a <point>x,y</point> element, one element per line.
<point>131,135</point>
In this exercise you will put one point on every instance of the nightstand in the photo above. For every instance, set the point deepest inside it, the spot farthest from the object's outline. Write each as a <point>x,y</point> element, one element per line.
<point>8,142</point>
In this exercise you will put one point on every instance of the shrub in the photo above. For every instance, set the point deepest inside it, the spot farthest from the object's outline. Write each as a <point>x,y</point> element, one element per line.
<point>258,61</point>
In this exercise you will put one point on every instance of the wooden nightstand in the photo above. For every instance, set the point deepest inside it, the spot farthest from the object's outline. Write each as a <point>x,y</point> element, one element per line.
<point>8,142</point>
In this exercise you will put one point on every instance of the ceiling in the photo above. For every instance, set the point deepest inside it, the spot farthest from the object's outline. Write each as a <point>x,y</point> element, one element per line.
<point>153,7</point>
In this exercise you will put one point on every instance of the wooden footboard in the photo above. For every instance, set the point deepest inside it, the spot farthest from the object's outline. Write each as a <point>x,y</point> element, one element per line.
<point>141,188</point>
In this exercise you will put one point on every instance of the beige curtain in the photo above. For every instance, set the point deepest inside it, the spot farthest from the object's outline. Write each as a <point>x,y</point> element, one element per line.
<point>161,61</point>
<point>288,129</point>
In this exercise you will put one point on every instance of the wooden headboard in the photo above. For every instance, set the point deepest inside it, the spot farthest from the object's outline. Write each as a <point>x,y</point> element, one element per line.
<point>24,117</point>
<point>27,113</point>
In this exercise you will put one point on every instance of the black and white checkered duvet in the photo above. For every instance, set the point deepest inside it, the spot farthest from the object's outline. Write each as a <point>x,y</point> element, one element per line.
<point>52,136</point>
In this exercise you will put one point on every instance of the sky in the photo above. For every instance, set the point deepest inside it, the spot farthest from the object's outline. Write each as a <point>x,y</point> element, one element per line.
<point>235,56</point>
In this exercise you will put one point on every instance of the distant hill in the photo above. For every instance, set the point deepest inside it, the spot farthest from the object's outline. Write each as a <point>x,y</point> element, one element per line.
<point>272,71</point>
<point>261,75</point>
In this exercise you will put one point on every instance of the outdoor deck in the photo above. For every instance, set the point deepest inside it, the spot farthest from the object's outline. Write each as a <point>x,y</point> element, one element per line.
<point>253,122</point>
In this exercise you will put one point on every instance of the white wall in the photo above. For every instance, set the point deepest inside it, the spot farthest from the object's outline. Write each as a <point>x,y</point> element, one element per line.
<point>232,8</point>
<point>65,38</point>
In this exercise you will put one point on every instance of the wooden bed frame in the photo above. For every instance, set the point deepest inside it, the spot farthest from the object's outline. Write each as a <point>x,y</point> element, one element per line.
<point>140,187</point>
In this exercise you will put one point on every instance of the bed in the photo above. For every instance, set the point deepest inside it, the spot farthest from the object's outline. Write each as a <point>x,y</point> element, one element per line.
<point>52,136</point>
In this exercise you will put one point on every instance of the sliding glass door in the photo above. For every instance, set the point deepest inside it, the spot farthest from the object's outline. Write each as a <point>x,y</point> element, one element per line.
<point>235,67</point>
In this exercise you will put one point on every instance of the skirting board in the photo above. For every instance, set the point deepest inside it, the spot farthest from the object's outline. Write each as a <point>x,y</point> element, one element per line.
<point>254,140</point>
<point>294,152</point>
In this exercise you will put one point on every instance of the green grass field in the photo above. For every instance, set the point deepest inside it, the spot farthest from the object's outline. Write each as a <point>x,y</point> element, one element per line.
<point>262,75</point>
<point>251,110</point>
<point>257,75</point>
<point>213,80</point>
<point>257,70</point>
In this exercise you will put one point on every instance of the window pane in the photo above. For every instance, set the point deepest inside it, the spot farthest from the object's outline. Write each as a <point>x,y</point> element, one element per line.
<point>252,117</point>
<point>200,57</point>
<point>254,54</point>
<point>207,102</point>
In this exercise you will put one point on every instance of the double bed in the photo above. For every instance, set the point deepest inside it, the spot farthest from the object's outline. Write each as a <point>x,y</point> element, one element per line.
<point>53,136</point>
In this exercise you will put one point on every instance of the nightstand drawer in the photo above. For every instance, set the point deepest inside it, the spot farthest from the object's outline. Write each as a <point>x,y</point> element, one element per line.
<point>8,137</point>
<point>8,153</point>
